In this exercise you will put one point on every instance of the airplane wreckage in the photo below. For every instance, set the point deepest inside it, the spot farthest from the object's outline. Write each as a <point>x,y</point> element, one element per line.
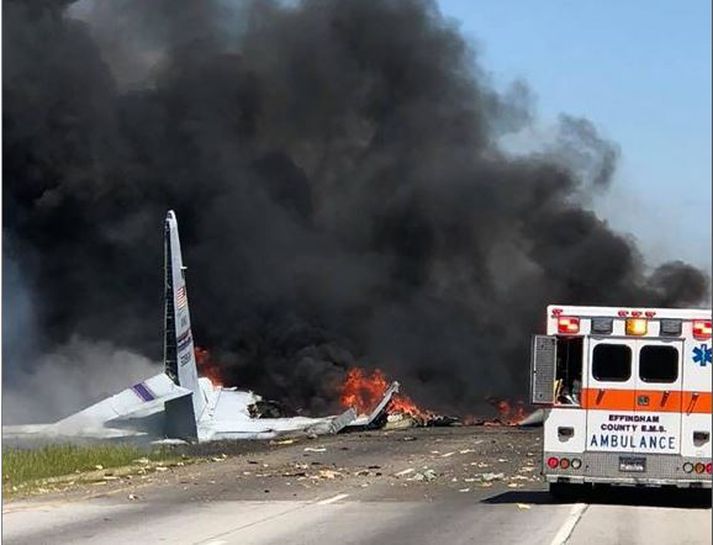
<point>177,404</point>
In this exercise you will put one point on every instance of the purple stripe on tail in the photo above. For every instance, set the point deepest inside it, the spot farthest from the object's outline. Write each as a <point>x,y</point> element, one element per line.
<point>143,392</point>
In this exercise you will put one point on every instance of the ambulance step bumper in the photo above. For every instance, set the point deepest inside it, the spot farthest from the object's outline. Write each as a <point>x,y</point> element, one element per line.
<point>608,468</point>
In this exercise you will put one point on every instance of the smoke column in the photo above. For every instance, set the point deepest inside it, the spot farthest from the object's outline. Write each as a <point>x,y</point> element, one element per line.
<point>340,188</point>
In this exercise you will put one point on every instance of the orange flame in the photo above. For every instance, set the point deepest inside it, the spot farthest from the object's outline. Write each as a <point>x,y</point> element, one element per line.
<point>509,414</point>
<point>207,367</point>
<point>363,392</point>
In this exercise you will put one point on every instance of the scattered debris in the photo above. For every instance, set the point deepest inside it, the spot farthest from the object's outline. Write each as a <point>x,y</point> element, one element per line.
<point>283,442</point>
<point>315,449</point>
<point>404,472</point>
<point>132,497</point>
<point>487,477</point>
<point>270,409</point>
<point>427,475</point>
<point>523,506</point>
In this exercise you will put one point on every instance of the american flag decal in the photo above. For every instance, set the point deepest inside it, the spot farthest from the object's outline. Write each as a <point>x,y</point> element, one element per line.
<point>181,299</point>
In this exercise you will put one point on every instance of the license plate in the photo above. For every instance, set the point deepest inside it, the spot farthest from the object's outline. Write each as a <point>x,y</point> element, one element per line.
<point>631,463</point>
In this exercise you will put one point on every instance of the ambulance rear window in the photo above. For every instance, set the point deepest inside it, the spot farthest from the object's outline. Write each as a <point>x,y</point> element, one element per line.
<point>658,363</point>
<point>611,362</point>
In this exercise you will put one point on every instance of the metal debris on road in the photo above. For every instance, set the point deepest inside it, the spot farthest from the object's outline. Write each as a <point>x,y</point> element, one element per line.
<point>487,477</point>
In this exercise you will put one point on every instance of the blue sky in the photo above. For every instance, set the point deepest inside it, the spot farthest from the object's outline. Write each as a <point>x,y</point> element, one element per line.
<point>641,72</point>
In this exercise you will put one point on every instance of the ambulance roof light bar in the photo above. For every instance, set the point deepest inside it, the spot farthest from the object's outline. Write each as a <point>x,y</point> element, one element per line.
<point>702,329</point>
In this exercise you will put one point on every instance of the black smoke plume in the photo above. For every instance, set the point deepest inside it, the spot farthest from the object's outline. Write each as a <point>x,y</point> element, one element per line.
<point>337,177</point>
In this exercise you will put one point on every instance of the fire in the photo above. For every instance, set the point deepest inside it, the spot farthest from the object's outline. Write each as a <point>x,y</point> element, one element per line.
<point>363,391</point>
<point>207,367</point>
<point>509,414</point>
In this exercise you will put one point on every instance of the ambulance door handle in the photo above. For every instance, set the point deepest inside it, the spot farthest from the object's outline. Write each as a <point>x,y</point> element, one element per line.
<point>565,432</point>
<point>643,401</point>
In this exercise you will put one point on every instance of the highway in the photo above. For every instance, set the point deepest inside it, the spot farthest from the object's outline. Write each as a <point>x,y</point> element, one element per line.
<point>426,486</point>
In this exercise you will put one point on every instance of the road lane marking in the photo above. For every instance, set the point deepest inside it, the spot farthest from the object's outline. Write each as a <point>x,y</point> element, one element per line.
<point>216,542</point>
<point>332,500</point>
<point>570,522</point>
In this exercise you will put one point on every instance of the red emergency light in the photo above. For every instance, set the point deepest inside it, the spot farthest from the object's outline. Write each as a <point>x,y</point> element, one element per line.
<point>568,325</point>
<point>702,329</point>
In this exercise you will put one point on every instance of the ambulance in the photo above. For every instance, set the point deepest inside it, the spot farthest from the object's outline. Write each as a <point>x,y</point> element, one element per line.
<point>626,395</point>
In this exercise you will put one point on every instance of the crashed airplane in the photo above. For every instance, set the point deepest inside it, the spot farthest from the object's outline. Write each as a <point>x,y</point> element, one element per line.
<point>178,404</point>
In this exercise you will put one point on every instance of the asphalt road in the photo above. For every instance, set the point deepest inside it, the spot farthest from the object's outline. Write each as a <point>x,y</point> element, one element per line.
<point>429,486</point>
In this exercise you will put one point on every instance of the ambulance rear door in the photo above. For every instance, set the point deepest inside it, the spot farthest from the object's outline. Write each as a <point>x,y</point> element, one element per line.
<point>658,397</point>
<point>609,396</point>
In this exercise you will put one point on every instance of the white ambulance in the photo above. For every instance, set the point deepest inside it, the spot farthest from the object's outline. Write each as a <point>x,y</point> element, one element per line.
<point>628,396</point>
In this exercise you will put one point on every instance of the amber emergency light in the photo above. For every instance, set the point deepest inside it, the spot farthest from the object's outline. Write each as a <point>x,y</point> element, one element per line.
<point>636,326</point>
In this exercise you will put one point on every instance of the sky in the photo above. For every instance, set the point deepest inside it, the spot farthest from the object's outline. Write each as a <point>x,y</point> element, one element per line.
<point>641,72</point>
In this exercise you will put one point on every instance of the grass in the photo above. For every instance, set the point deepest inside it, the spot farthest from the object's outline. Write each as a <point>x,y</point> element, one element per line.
<point>22,467</point>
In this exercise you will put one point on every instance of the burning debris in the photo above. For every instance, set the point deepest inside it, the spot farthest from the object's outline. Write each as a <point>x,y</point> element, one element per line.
<point>207,367</point>
<point>508,413</point>
<point>362,390</point>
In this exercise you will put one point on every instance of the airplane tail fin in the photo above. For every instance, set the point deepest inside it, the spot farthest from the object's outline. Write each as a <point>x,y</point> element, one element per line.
<point>179,354</point>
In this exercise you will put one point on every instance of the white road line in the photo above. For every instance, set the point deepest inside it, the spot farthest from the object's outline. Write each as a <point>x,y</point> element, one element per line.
<point>216,542</point>
<point>332,500</point>
<point>570,522</point>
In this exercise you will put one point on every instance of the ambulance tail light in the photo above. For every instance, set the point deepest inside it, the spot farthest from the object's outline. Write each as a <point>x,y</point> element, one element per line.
<point>553,462</point>
<point>688,467</point>
<point>702,329</point>
<point>564,463</point>
<point>700,468</point>
<point>709,468</point>
<point>568,325</point>
<point>636,326</point>
<point>576,463</point>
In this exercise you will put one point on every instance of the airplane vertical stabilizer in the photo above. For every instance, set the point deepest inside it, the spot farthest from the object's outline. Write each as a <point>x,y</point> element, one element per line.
<point>179,353</point>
